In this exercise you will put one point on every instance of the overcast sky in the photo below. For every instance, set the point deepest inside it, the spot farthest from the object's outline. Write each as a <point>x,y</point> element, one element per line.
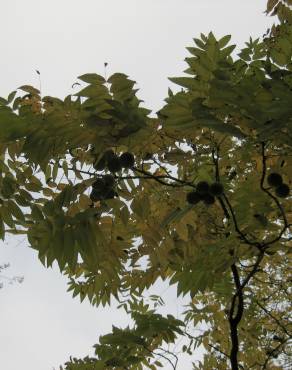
<point>41,325</point>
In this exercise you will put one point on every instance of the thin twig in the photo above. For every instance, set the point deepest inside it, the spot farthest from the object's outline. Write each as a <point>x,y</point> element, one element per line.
<point>274,351</point>
<point>241,234</point>
<point>218,350</point>
<point>172,354</point>
<point>274,318</point>
<point>161,355</point>
<point>254,270</point>
<point>235,319</point>
<point>181,182</point>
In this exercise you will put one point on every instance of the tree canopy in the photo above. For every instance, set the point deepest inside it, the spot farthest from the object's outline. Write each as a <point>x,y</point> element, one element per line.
<point>197,195</point>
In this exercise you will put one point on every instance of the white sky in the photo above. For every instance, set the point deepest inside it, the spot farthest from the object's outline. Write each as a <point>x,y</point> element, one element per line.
<point>41,325</point>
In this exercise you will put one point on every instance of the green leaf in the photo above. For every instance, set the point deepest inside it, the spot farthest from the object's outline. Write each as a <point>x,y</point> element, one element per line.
<point>12,126</point>
<point>36,213</point>
<point>55,171</point>
<point>199,43</point>
<point>92,78</point>
<point>224,41</point>
<point>64,198</point>
<point>48,172</point>
<point>220,126</point>
<point>227,51</point>
<point>49,208</point>
<point>29,89</point>
<point>175,215</point>
<point>65,168</point>
<point>3,101</point>
<point>8,187</point>
<point>35,187</point>
<point>15,210</point>
<point>92,91</point>
<point>11,96</point>
<point>6,216</point>
<point>125,215</point>
<point>70,252</point>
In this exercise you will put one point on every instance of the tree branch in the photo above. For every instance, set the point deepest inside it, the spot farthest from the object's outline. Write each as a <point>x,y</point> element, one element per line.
<point>218,350</point>
<point>150,175</point>
<point>272,353</point>
<point>237,229</point>
<point>253,271</point>
<point>274,318</point>
<point>234,318</point>
<point>161,355</point>
<point>217,176</point>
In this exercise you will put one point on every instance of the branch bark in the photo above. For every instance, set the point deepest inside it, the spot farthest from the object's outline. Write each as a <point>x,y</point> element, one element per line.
<point>235,315</point>
<point>237,308</point>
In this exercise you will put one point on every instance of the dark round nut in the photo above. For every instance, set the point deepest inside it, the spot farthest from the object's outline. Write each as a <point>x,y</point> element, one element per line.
<point>101,164</point>
<point>208,199</point>
<point>99,184</point>
<point>193,197</point>
<point>109,180</point>
<point>216,189</point>
<point>110,194</point>
<point>282,191</point>
<point>114,164</point>
<point>202,187</point>
<point>127,160</point>
<point>95,195</point>
<point>274,179</point>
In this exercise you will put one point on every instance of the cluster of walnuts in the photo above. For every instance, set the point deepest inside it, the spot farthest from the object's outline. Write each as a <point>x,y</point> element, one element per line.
<point>104,187</point>
<point>205,192</point>
<point>115,163</point>
<point>275,180</point>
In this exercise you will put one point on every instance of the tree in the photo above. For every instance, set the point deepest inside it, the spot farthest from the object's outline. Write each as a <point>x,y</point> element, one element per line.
<point>199,197</point>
